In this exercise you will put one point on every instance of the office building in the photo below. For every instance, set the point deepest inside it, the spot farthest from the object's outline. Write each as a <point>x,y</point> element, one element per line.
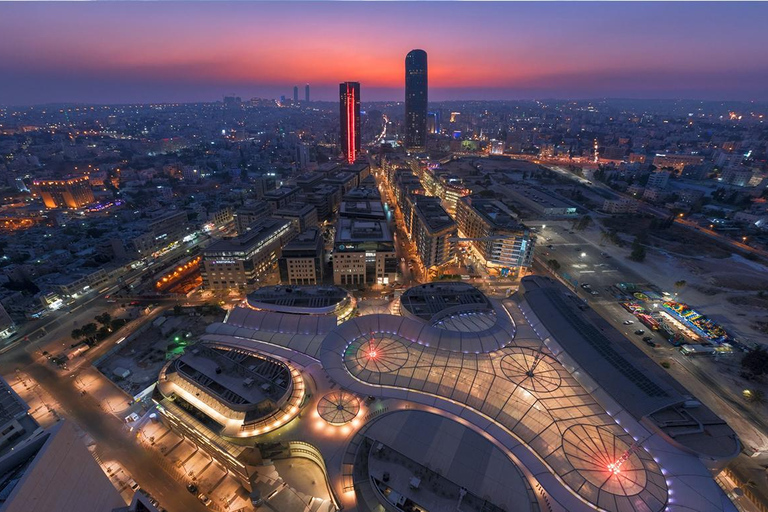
<point>349,104</point>
<point>280,197</point>
<point>362,209</point>
<point>246,261</point>
<point>433,122</point>
<point>249,214</point>
<point>303,215</point>
<point>416,99</point>
<point>434,232</point>
<point>164,230</point>
<point>301,261</point>
<point>70,193</point>
<point>306,93</point>
<point>364,253</point>
<point>295,93</point>
<point>497,239</point>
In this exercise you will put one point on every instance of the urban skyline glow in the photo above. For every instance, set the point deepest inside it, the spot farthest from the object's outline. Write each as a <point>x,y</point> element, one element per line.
<point>125,52</point>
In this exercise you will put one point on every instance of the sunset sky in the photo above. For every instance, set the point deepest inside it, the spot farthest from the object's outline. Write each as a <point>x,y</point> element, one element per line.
<point>172,51</point>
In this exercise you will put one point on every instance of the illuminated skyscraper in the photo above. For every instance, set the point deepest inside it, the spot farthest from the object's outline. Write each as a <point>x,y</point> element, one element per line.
<point>306,93</point>
<point>349,104</point>
<point>416,99</point>
<point>295,93</point>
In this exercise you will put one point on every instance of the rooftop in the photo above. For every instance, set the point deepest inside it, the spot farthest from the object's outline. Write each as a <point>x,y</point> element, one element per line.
<point>433,215</point>
<point>363,193</point>
<point>240,379</point>
<point>295,208</point>
<point>359,230</point>
<point>494,212</point>
<point>431,301</point>
<point>259,232</point>
<point>362,208</point>
<point>286,298</point>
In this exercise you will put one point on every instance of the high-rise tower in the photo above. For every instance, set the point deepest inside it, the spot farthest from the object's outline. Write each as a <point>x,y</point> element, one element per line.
<point>349,104</point>
<point>416,99</point>
<point>295,93</point>
<point>306,93</point>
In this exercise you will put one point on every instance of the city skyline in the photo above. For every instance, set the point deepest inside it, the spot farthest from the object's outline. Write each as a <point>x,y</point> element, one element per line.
<point>199,52</point>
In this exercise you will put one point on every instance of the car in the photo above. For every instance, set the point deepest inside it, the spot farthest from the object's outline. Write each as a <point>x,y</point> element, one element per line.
<point>192,488</point>
<point>133,485</point>
<point>594,292</point>
<point>585,286</point>
<point>204,499</point>
<point>639,332</point>
<point>154,502</point>
<point>550,246</point>
<point>647,338</point>
<point>549,239</point>
<point>628,322</point>
<point>651,343</point>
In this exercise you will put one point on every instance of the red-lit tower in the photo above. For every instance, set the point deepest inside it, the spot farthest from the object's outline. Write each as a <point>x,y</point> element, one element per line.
<point>349,102</point>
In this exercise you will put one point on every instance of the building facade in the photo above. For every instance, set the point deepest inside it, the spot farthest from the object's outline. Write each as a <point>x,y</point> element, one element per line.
<point>495,236</point>
<point>70,193</point>
<point>349,105</point>
<point>434,232</point>
<point>301,261</point>
<point>244,262</point>
<point>416,99</point>
<point>364,253</point>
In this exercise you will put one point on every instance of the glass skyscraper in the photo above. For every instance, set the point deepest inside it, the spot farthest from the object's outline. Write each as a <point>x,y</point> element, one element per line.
<point>416,99</point>
<point>349,104</point>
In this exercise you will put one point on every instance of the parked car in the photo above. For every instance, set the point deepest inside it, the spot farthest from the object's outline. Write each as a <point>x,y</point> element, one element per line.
<point>204,499</point>
<point>133,485</point>
<point>192,488</point>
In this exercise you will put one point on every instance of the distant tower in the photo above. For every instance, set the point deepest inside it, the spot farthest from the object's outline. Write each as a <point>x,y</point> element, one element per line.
<point>306,93</point>
<point>416,99</point>
<point>349,104</point>
<point>295,93</point>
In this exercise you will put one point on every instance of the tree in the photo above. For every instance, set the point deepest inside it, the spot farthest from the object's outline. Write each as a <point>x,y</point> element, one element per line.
<point>755,361</point>
<point>104,318</point>
<point>638,251</point>
<point>680,284</point>
<point>89,330</point>
<point>76,334</point>
<point>554,264</point>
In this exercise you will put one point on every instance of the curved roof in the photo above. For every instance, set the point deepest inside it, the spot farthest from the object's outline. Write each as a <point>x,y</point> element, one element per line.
<point>316,300</point>
<point>508,386</point>
<point>370,355</point>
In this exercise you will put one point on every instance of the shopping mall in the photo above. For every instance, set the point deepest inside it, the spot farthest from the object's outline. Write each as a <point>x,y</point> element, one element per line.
<point>530,403</point>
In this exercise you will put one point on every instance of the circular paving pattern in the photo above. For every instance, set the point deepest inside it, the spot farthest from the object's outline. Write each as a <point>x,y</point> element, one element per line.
<point>605,460</point>
<point>378,352</point>
<point>338,407</point>
<point>530,369</point>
